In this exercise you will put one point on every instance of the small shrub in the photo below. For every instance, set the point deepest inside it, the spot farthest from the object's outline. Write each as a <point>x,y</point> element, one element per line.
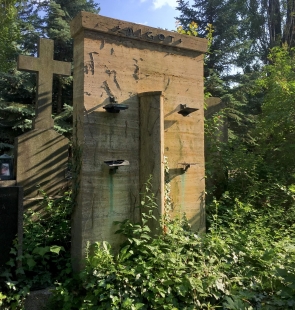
<point>46,252</point>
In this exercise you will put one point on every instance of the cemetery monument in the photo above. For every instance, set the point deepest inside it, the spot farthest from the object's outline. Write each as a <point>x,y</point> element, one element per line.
<point>42,153</point>
<point>138,97</point>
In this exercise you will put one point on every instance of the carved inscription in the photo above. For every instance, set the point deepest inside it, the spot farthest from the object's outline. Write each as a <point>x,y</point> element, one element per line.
<point>149,35</point>
<point>90,65</point>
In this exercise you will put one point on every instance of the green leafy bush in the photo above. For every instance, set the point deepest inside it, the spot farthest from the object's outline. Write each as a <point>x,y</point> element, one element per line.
<point>234,266</point>
<point>46,252</point>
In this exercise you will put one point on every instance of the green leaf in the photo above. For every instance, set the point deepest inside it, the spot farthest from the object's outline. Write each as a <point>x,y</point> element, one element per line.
<point>56,249</point>
<point>41,250</point>
<point>139,305</point>
<point>31,262</point>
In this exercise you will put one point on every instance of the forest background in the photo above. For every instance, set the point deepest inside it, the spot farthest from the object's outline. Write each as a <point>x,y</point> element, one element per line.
<point>247,258</point>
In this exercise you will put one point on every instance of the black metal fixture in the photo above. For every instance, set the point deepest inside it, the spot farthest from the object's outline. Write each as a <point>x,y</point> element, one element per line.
<point>185,111</point>
<point>114,106</point>
<point>186,166</point>
<point>6,167</point>
<point>115,164</point>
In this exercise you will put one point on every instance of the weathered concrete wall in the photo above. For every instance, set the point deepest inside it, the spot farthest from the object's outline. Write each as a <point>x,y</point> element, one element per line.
<point>41,162</point>
<point>123,60</point>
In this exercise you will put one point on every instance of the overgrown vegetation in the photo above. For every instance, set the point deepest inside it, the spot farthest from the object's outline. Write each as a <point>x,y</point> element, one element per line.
<point>46,252</point>
<point>245,261</point>
<point>240,264</point>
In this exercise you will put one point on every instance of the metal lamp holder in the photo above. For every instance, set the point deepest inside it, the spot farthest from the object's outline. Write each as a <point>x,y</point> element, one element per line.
<point>185,111</point>
<point>114,106</point>
<point>115,164</point>
<point>185,166</point>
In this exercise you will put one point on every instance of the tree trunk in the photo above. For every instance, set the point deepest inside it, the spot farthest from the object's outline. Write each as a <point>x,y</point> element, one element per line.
<point>289,31</point>
<point>274,22</point>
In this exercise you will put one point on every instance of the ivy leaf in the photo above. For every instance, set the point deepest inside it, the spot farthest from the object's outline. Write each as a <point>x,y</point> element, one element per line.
<point>31,262</point>
<point>41,250</point>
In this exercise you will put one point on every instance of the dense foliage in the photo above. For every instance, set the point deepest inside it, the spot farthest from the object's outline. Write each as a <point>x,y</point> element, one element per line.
<point>46,252</point>
<point>244,30</point>
<point>24,22</point>
<point>9,33</point>
<point>244,33</point>
<point>241,263</point>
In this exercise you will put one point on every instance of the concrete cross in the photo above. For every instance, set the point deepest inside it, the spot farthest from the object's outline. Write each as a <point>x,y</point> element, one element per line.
<point>45,67</point>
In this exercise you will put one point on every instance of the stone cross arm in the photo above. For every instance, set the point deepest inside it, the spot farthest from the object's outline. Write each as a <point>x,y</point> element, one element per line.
<point>45,66</point>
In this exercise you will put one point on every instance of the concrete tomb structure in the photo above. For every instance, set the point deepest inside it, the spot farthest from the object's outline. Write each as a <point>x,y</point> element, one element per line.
<point>42,153</point>
<point>138,96</point>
